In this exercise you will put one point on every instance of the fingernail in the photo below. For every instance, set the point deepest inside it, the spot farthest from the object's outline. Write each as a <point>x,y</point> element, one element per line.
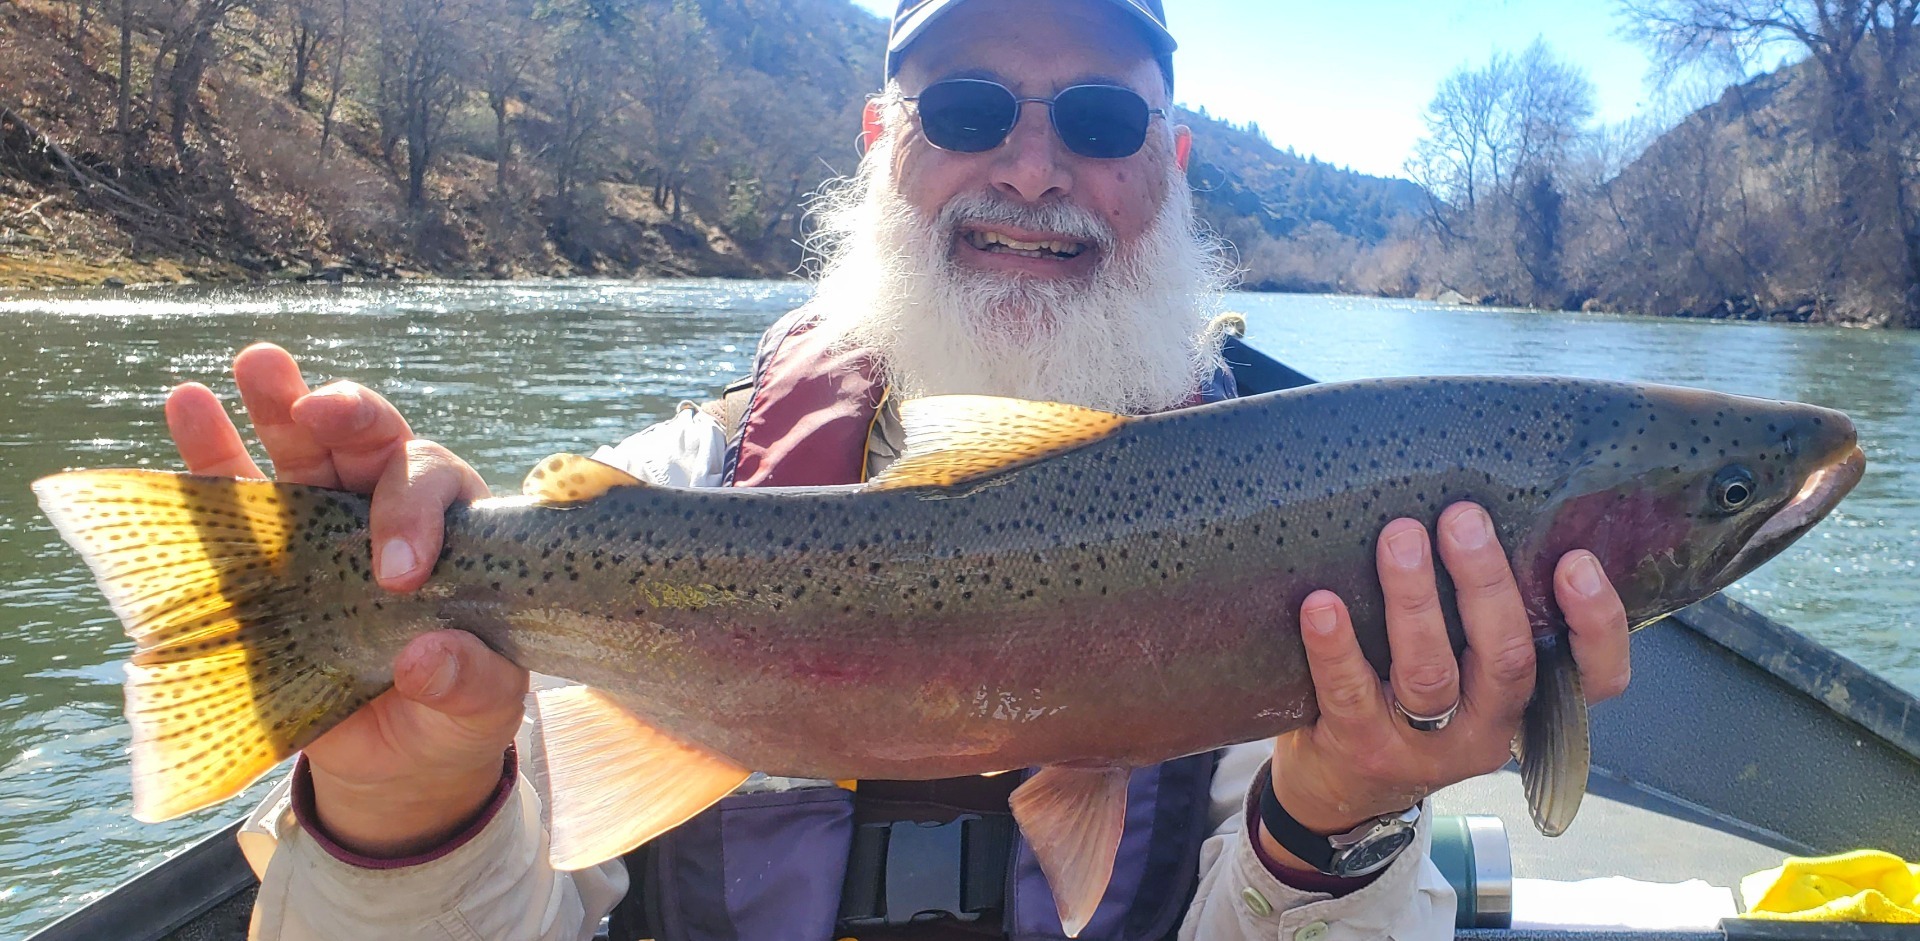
<point>1587,578</point>
<point>1472,529</point>
<point>341,397</point>
<point>442,680</point>
<point>396,559</point>
<point>1321,619</point>
<point>1407,547</point>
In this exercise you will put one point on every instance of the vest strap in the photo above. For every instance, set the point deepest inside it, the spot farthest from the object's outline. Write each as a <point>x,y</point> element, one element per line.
<point>903,871</point>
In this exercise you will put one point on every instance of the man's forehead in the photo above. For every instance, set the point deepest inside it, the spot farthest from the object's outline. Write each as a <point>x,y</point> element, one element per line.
<point>1021,43</point>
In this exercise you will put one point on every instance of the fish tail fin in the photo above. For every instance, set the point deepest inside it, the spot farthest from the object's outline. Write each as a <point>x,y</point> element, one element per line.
<point>1553,747</point>
<point>219,687</point>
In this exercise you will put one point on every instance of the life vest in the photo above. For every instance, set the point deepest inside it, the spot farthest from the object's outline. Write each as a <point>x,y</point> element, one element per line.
<point>815,863</point>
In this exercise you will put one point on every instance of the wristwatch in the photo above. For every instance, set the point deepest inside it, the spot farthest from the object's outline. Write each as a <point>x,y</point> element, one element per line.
<point>1361,851</point>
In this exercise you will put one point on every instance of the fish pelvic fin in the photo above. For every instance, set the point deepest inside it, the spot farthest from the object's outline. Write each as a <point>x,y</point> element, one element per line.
<point>1073,818</point>
<point>220,687</point>
<point>1553,747</point>
<point>953,439</point>
<point>612,781</point>
<point>570,478</point>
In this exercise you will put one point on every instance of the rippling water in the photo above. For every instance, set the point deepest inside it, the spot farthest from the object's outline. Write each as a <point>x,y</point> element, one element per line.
<point>507,373</point>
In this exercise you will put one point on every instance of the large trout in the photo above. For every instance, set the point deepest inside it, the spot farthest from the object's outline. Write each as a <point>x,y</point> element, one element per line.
<point>1033,585</point>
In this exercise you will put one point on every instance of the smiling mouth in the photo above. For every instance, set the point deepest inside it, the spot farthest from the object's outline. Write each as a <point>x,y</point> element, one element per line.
<point>995,243</point>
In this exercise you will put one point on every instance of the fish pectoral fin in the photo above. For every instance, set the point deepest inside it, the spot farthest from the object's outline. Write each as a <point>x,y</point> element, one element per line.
<point>952,439</point>
<point>614,782</point>
<point>220,687</point>
<point>1072,817</point>
<point>570,478</point>
<point>1553,747</point>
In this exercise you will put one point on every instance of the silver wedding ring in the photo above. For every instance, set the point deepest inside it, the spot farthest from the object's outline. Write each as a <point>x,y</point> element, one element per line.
<point>1427,723</point>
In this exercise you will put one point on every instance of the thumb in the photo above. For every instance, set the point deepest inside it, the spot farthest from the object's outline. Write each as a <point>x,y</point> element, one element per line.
<point>454,673</point>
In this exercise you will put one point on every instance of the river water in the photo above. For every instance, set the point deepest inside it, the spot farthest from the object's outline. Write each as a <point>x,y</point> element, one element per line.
<point>508,373</point>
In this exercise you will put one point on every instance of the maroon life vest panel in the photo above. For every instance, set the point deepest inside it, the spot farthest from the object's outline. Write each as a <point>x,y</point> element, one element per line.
<point>776,865</point>
<point>810,397</point>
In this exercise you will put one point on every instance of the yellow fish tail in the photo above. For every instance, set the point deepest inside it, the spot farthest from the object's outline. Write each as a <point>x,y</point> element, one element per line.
<point>219,689</point>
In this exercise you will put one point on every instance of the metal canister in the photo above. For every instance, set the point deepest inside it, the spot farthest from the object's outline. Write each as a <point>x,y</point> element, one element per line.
<point>1473,853</point>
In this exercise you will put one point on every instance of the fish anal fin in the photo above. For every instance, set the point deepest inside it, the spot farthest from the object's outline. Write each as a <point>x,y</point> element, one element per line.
<point>1073,817</point>
<point>1553,747</point>
<point>952,439</point>
<point>614,782</point>
<point>570,478</point>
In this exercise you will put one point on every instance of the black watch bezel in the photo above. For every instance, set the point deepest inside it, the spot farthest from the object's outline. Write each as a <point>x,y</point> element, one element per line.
<point>1362,851</point>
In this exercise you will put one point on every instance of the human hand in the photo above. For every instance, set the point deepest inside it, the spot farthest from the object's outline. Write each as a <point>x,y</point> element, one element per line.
<point>408,769</point>
<point>1361,759</point>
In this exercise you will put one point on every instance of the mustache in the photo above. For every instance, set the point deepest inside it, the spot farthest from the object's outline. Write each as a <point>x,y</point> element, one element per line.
<point>1058,217</point>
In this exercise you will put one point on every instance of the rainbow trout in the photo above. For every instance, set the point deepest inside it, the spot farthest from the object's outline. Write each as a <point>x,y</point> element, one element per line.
<point>1033,585</point>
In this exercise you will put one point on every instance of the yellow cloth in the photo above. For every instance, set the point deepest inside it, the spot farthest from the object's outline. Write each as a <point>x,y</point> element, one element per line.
<point>1864,885</point>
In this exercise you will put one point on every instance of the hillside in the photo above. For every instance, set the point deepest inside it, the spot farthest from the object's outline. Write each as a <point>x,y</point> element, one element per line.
<point>1296,223</point>
<point>1742,210</point>
<point>495,138</point>
<point>252,175</point>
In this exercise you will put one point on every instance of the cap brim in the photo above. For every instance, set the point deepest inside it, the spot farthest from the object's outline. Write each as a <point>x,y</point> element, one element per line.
<point>907,30</point>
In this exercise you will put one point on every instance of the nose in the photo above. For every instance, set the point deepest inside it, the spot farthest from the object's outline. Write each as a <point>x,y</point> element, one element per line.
<point>1032,164</point>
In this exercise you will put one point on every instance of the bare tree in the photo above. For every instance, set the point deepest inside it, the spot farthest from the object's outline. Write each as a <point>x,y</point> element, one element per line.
<point>588,98</point>
<point>309,28</point>
<point>1864,55</point>
<point>1500,143</point>
<point>420,58</point>
<point>336,73</point>
<point>673,66</point>
<point>501,42</point>
<point>188,47</point>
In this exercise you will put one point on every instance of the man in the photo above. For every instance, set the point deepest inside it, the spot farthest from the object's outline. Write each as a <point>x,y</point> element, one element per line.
<point>1011,231</point>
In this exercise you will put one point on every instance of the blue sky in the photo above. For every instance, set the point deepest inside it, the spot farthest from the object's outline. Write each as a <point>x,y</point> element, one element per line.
<point>1347,82</point>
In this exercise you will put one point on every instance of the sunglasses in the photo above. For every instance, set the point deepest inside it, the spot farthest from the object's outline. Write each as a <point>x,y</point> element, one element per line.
<point>972,116</point>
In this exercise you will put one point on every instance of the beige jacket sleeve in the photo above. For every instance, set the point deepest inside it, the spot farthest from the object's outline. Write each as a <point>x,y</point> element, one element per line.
<point>1239,898</point>
<point>496,886</point>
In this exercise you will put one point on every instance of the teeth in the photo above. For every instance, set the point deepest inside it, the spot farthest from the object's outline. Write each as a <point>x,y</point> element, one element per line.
<point>995,241</point>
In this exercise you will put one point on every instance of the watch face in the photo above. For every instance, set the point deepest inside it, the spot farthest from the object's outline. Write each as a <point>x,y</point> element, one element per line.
<point>1373,853</point>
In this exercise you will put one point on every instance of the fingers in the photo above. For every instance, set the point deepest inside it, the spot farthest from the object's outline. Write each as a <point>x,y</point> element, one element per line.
<point>1425,673</point>
<point>1598,625</point>
<point>1343,681</point>
<point>358,429</point>
<point>270,383</point>
<point>1500,656</point>
<point>454,673</point>
<point>409,511</point>
<point>205,436</point>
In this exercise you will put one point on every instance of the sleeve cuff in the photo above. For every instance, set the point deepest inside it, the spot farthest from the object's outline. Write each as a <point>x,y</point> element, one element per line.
<point>1305,880</point>
<point>308,817</point>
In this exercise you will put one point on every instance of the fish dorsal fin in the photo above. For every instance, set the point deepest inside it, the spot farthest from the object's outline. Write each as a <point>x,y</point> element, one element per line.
<point>1073,817</point>
<point>614,782</point>
<point>570,478</point>
<point>952,439</point>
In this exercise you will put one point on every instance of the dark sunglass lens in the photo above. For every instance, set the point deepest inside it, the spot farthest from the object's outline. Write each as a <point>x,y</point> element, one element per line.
<point>966,115</point>
<point>1101,121</point>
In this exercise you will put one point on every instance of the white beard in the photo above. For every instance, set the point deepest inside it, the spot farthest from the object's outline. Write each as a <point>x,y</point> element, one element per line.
<point>1132,339</point>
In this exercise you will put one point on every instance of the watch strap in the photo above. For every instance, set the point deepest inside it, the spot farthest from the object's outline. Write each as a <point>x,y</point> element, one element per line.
<point>1312,848</point>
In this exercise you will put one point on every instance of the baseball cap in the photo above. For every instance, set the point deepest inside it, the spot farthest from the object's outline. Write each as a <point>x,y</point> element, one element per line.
<point>913,18</point>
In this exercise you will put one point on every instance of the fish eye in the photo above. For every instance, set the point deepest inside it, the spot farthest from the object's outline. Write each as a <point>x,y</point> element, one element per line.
<point>1733,488</point>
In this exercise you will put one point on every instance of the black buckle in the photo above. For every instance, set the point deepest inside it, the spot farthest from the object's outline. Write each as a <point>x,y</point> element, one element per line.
<point>923,871</point>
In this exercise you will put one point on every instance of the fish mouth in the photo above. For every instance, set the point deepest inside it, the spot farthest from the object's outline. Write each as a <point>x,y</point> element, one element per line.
<point>1823,490</point>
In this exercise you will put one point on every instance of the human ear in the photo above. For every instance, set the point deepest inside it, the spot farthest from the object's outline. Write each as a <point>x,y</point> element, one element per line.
<point>1182,145</point>
<point>871,127</point>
